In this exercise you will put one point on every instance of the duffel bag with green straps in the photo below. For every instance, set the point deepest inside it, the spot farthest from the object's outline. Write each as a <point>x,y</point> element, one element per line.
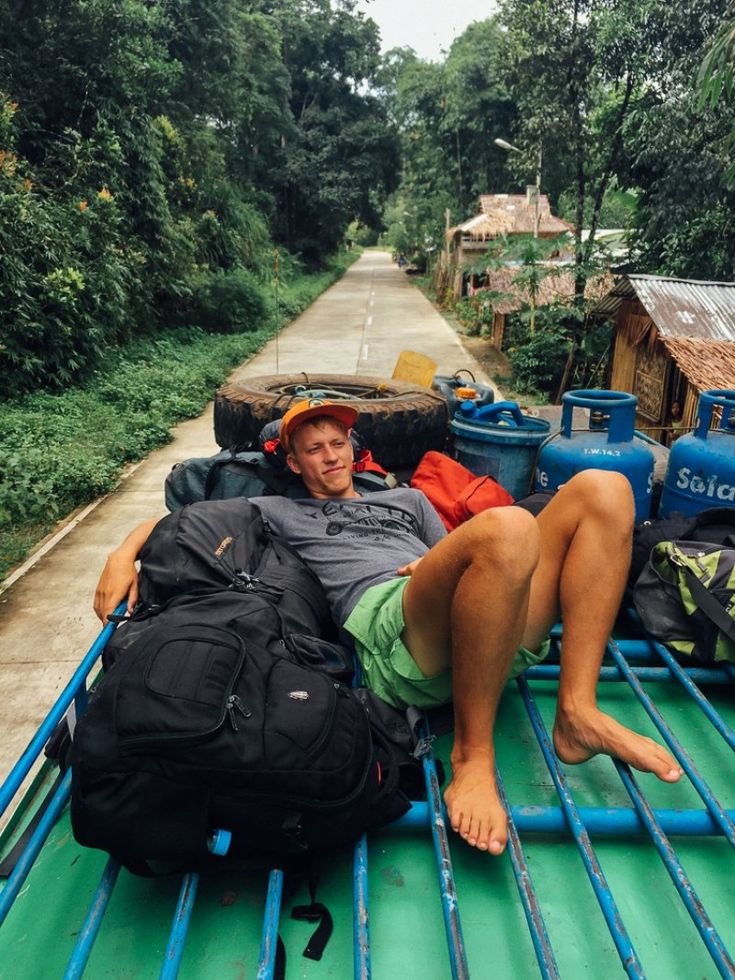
<point>685,597</point>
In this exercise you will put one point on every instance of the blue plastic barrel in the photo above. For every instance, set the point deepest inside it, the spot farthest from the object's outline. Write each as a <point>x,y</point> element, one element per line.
<point>701,470</point>
<point>607,444</point>
<point>499,441</point>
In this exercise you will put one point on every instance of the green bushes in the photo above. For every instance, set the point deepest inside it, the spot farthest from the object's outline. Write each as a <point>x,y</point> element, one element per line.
<point>230,301</point>
<point>475,313</point>
<point>66,281</point>
<point>60,451</point>
<point>538,358</point>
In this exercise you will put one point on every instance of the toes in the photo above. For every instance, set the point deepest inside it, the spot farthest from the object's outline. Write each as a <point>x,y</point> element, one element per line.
<point>479,833</point>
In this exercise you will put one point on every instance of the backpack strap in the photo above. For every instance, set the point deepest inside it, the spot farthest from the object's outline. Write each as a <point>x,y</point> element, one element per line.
<point>315,912</point>
<point>708,604</point>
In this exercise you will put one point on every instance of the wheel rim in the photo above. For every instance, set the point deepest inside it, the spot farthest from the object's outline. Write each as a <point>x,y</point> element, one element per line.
<point>343,393</point>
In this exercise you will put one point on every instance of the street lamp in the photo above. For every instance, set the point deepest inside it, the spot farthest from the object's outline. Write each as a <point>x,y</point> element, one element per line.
<point>509,148</point>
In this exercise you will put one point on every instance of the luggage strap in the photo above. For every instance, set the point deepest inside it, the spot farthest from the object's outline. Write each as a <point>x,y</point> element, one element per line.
<point>712,609</point>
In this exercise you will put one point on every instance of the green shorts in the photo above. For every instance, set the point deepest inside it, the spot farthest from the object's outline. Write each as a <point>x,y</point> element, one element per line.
<point>376,624</point>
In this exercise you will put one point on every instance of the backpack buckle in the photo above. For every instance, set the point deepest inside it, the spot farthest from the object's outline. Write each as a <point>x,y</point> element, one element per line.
<point>423,746</point>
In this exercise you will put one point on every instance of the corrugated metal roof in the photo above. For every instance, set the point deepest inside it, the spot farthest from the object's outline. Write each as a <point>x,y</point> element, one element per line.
<point>706,363</point>
<point>679,307</point>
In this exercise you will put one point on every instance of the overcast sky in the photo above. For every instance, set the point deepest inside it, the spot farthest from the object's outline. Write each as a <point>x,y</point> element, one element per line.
<point>428,26</point>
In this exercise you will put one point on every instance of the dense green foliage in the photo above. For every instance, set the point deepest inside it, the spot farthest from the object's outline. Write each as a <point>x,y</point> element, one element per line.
<point>151,155</point>
<point>447,115</point>
<point>169,171</point>
<point>630,105</point>
<point>58,451</point>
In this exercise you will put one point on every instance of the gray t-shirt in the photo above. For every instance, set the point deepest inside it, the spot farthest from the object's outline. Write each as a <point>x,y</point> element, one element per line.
<point>354,543</point>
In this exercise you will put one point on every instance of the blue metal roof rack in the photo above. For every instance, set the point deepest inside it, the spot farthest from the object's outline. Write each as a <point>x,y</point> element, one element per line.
<point>632,662</point>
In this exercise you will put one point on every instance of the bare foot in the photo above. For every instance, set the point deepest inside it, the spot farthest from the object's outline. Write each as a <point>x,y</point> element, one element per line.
<point>580,736</point>
<point>474,809</point>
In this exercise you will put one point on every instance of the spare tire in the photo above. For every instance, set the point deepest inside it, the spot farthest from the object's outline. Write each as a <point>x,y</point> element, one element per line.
<point>399,422</point>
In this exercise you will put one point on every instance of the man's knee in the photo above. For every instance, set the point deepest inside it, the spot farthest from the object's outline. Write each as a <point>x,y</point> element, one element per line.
<point>604,493</point>
<point>506,539</point>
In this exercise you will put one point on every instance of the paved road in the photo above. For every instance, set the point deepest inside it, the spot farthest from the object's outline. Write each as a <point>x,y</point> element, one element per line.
<point>359,325</point>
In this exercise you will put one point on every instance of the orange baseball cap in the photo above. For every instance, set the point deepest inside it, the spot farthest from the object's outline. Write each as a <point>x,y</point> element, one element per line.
<point>312,408</point>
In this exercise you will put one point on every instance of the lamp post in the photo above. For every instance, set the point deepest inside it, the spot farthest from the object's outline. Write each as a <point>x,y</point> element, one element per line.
<point>509,148</point>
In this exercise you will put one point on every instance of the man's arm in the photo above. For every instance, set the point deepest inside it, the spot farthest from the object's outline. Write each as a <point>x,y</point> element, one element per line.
<point>120,576</point>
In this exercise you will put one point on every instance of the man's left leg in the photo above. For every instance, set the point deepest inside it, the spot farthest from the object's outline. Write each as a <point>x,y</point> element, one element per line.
<point>465,607</point>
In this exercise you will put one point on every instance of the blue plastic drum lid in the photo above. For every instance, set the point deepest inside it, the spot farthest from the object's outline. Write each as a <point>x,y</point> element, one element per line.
<point>701,470</point>
<point>499,441</point>
<point>608,444</point>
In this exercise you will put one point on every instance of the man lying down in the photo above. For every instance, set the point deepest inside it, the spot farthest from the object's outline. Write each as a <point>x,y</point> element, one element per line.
<point>438,617</point>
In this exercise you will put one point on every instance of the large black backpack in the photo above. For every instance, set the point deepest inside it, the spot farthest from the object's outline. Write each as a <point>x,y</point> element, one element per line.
<point>223,708</point>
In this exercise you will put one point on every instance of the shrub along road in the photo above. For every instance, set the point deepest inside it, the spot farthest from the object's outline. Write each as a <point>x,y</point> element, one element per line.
<point>359,325</point>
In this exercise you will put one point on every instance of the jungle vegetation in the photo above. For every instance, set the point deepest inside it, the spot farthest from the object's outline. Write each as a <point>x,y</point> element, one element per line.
<point>630,103</point>
<point>164,164</point>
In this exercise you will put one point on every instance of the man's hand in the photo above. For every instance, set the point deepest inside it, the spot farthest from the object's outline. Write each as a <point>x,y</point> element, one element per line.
<point>119,579</point>
<point>410,568</point>
<point>120,576</point>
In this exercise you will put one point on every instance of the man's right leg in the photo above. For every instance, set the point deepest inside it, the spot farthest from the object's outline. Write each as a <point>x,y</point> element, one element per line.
<point>466,606</point>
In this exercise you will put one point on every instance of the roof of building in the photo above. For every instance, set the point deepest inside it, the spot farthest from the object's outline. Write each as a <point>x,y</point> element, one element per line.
<point>510,214</point>
<point>555,288</point>
<point>678,307</point>
<point>706,363</point>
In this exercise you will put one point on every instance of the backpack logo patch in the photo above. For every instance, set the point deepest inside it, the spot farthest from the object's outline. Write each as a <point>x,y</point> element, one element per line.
<point>222,547</point>
<point>299,695</point>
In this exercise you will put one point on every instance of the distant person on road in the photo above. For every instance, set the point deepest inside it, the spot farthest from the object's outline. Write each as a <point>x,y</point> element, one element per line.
<point>402,261</point>
<point>437,617</point>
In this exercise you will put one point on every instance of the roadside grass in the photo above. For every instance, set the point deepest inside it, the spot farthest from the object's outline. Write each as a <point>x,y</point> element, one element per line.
<point>61,451</point>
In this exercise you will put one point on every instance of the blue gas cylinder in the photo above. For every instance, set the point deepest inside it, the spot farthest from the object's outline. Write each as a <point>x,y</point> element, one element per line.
<point>607,444</point>
<point>498,440</point>
<point>701,470</point>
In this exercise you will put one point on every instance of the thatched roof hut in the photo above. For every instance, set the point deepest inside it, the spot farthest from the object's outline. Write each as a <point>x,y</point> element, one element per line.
<point>499,214</point>
<point>674,338</point>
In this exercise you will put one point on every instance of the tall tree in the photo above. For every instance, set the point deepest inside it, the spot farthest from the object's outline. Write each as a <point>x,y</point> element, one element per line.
<point>341,157</point>
<point>680,150</point>
<point>581,70</point>
<point>448,115</point>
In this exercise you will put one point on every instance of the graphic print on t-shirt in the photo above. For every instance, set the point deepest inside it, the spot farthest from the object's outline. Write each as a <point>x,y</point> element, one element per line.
<point>358,519</point>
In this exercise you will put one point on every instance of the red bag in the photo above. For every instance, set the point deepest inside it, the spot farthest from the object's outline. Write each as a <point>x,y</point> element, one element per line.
<point>456,493</point>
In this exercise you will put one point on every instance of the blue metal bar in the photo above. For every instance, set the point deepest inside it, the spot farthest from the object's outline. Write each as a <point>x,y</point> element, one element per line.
<point>450,906</point>
<point>361,911</point>
<point>703,675</point>
<point>271,918</point>
<point>600,821</point>
<point>685,678</point>
<point>180,927</point>
<point>636,649</point>
<point>25,862</point>
<point>93,921</point>
<point>710,801</point>
<point>620,937</point>
<point>537,926</point>
<point>23,766</point>
<point>692,902</point>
